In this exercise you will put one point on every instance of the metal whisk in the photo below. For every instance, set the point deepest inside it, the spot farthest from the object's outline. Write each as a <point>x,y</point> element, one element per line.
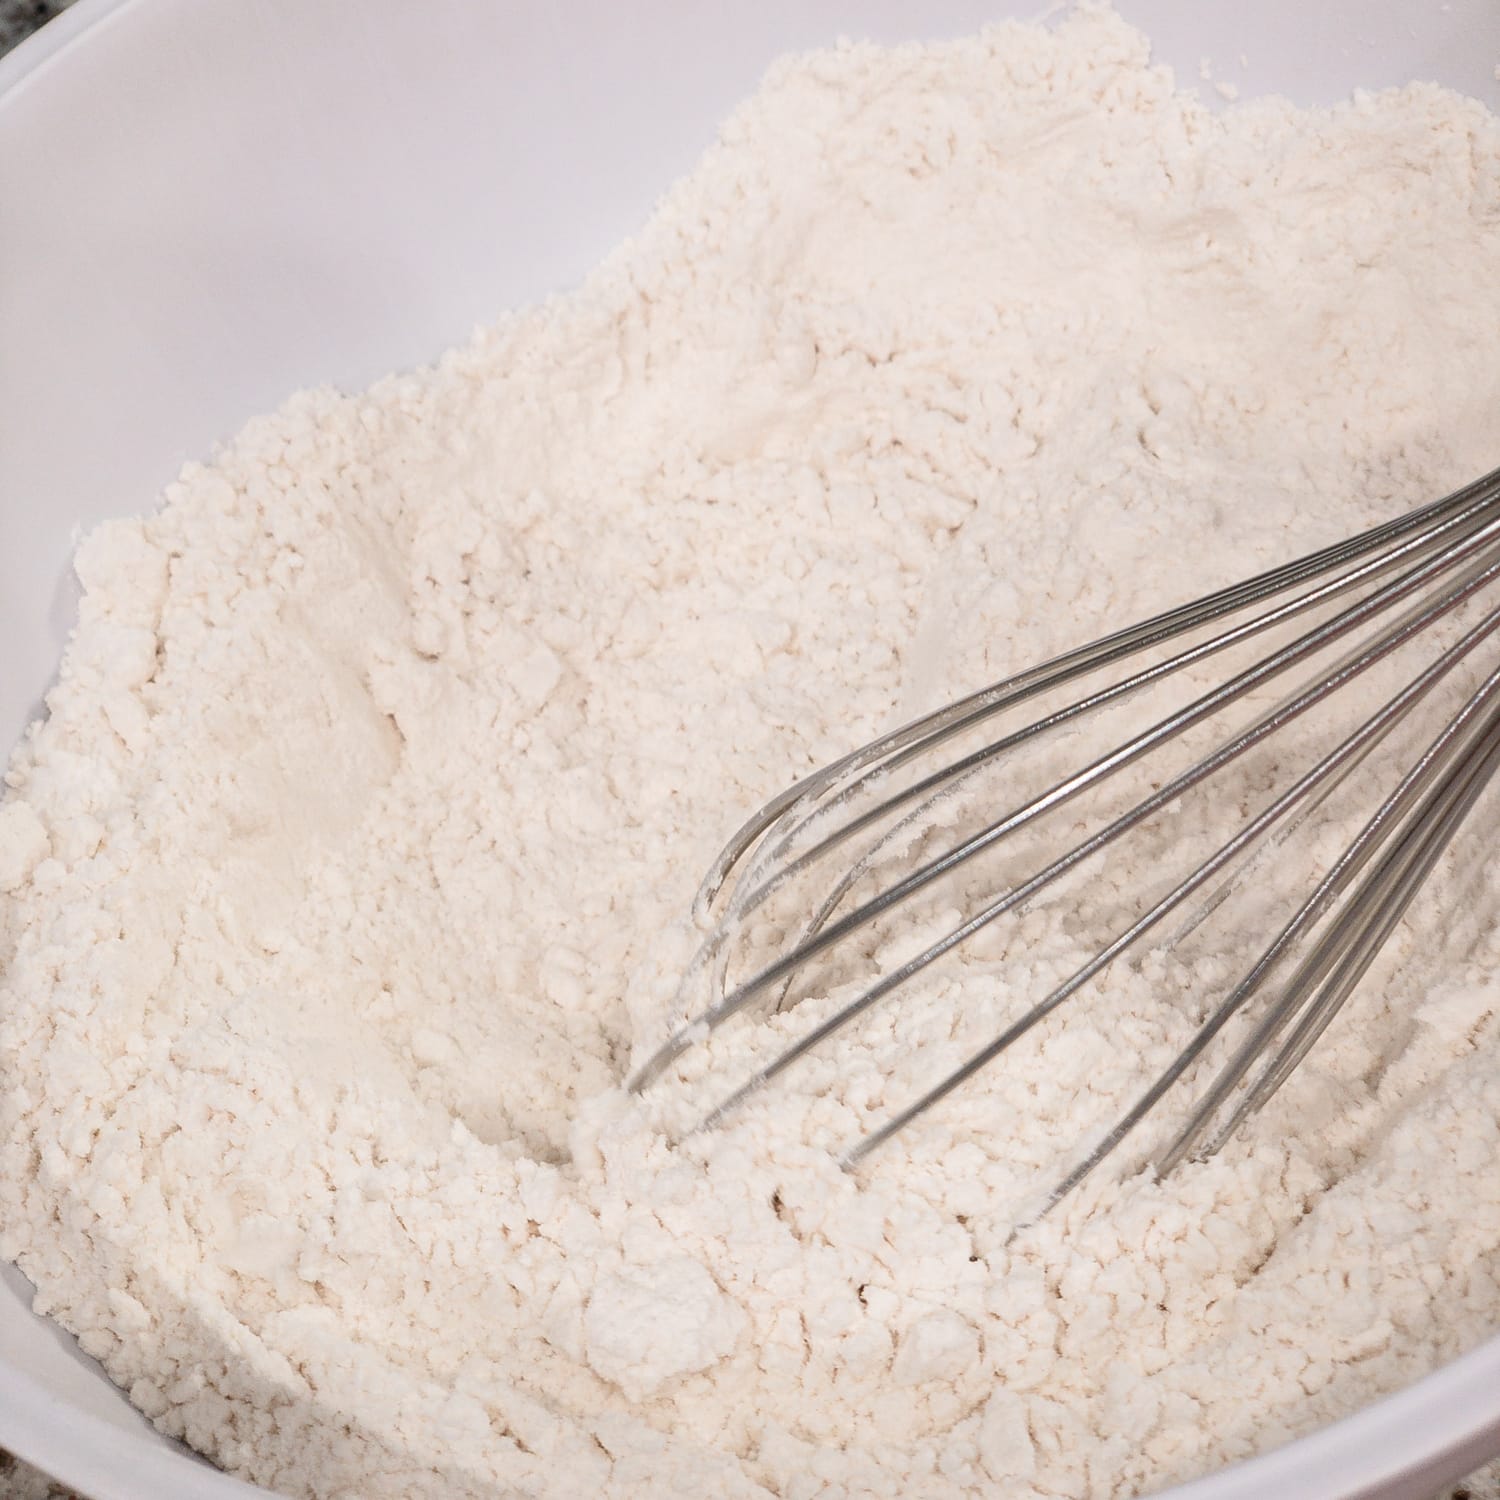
<point>872,832</point>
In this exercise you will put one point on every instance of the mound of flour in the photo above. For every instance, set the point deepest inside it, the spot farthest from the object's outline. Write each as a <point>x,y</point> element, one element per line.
<point>349,870</point>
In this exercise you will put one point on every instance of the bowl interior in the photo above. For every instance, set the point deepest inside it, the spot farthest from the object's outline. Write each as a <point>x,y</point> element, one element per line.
<point>209,205</point>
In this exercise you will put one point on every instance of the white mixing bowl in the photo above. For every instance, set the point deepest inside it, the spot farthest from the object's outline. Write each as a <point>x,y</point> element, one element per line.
<point>205,204</point>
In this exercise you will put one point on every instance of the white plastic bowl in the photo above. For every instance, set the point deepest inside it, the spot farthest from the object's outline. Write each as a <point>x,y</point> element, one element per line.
<point>205,204</point>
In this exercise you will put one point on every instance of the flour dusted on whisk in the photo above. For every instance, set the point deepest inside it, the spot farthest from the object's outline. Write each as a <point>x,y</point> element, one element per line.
<point>351,867</point>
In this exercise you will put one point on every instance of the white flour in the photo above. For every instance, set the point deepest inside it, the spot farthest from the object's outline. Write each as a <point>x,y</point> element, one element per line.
<point>352,862</point>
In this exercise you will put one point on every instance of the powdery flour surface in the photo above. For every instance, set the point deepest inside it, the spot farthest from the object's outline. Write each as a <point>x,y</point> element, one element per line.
<point>350,870</point>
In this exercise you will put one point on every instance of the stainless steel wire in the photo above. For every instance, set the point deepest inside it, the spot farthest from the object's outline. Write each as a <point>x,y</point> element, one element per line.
<point>1353,606</point>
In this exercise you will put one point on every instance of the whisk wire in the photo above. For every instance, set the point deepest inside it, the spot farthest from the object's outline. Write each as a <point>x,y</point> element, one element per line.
<point>1343,872</point>
<point>1384,588</point>
<point>1474,502</point>
<point>1338,878</point>
<point>771,868</point>
<point>1330,973</point>
<point>1162,732</point>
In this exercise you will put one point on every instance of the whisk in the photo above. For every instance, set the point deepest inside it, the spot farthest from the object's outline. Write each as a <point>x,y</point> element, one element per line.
<point>854,844</point>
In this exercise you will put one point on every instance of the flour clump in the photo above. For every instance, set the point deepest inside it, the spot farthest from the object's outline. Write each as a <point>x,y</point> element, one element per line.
<point>349,871</point>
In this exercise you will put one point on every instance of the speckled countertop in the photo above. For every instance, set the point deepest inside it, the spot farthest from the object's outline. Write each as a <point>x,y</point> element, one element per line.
<point>18,19</point>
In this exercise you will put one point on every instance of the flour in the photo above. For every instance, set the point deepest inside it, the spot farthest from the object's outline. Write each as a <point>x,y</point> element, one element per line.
<point>349,872</point>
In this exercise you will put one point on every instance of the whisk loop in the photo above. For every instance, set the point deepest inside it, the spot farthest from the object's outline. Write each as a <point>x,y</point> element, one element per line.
<point>1357,603</point>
